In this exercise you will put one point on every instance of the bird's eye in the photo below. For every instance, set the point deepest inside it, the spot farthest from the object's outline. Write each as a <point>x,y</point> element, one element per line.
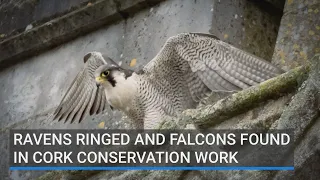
<point>105,74</point>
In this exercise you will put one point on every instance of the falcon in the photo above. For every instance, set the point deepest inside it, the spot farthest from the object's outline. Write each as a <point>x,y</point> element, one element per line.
<point>188,68</point>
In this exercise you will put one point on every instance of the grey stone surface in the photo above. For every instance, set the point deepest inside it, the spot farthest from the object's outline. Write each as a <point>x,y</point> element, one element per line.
<point>302,115</point>
<point>67,27</point>
<point>33,87</point>
<point>247,26</point>
<point>299,34</point>
<point>56,31</point>
<point>306,155</point>
<point>16,15</point>
<point>37,85</point>
<point>148,30</point>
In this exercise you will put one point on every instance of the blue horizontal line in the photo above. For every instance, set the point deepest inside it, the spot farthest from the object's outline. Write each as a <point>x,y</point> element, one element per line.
<point>31,168</point>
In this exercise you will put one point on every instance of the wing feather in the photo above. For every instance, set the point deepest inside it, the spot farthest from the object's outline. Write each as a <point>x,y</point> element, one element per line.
<point>82,104</point>
<point>83,97</point>
<point>196,86</point>
<point>208,63</point>
<point>88,105</point>
<point>95,107</point>
<point>74,101</point>
<point>102,104</point>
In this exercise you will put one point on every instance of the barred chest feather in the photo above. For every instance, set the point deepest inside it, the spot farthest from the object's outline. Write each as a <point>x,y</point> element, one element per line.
<point>122,95</point>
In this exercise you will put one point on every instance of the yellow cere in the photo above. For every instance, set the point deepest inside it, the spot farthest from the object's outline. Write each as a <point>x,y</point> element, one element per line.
<point>98,79</point>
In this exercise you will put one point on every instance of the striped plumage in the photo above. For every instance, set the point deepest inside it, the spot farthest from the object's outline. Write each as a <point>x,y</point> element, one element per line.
<point>187,68</point>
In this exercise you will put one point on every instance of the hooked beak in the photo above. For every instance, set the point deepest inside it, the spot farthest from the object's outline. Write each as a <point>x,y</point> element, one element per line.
<point>98,81</point>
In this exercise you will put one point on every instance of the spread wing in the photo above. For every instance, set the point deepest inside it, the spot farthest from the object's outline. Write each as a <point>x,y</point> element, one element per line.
<point>83,96</point>
<point>208,64</point>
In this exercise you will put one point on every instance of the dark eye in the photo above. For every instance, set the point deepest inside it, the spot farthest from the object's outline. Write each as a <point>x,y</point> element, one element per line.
<point>105,73</point>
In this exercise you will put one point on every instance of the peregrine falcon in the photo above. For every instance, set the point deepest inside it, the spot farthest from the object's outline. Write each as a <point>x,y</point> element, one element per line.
<point>187,68</point>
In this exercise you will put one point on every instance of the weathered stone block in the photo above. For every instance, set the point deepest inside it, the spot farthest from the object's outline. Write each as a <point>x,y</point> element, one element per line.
<point>243,24</point>
<point>57,31</point>
<point>299,34</point>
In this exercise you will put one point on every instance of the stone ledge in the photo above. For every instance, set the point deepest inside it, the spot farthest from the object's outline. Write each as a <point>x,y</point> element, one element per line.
<point>17,15</point>
<point>66,28</point>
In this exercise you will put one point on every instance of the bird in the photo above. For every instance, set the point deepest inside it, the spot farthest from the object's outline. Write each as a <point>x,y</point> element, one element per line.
<point>188,67</point>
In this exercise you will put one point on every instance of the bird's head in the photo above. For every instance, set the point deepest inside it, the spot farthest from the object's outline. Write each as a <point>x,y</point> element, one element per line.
<point>109,74</point>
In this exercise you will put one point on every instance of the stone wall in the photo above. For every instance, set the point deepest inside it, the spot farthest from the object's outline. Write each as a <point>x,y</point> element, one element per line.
<point>34,84</point>
<point>19,15</point>
<point>299,34</point>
